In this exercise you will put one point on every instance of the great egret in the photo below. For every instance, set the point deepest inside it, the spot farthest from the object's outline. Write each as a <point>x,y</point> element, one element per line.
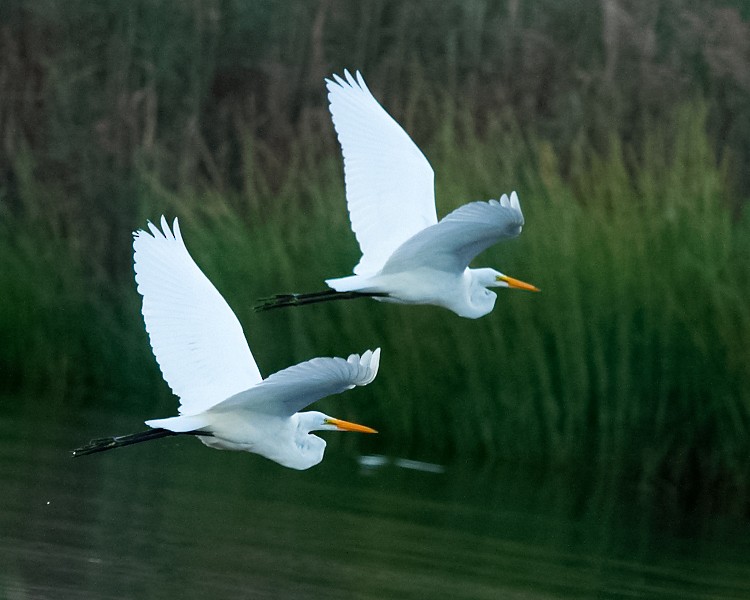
<point>408,256</point>
<point>204,357</point>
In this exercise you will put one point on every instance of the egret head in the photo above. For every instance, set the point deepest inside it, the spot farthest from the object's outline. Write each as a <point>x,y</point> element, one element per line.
<point>309,447</point>
<point>509,282</point>
<point>492,278</point>
<point>482,299</point>
<point>317,421</point>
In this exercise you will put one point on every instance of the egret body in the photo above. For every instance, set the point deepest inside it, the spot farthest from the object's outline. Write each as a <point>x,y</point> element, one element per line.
<point>204,357</point>
<point>408,257</point>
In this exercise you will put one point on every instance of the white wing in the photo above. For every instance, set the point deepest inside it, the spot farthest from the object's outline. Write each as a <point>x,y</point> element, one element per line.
<point>454,242</point>
<point>389,183</point>
<point>196,338</point>
<point>289,391</point>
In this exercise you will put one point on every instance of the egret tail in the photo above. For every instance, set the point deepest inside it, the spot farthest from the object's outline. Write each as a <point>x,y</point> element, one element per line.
<point>282,300</point>
<point>108,443</point>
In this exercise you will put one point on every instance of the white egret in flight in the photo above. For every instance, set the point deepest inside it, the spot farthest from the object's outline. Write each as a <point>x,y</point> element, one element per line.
<point>204,357</point>
<point>408,256</point>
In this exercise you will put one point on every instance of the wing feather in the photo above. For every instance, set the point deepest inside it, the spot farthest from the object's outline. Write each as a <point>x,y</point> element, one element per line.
<point>196,338</point>
<point>461,235</point>
<point>290,390</point>
<point>389,183</point>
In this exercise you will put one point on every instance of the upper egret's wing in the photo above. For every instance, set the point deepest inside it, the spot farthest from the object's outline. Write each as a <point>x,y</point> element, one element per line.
<point>389,183</point>
<point>289,391</point>
<point>196,338</point>
<point>454,242</point>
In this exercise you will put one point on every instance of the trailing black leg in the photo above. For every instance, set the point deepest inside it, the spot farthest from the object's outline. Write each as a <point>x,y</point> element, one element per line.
<point>109,443</point>
<point>282,300</point>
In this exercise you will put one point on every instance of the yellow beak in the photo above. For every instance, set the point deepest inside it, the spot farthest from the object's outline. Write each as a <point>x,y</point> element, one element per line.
<point>347,426</point>
<point>518,284</point>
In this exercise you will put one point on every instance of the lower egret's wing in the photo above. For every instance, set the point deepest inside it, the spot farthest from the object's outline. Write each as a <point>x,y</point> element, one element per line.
<point>289,391</point>
<point>454,242</point>
<point>390,188</point>
<point>196,338</point>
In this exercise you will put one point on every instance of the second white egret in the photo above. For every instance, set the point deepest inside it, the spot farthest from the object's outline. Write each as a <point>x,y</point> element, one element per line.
<point>408,257</point>
<point>204,357</point>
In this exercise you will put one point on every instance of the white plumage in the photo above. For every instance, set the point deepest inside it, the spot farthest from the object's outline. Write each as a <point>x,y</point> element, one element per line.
<point>204,357</point>
<point>196,338</point>
<point>389,183</point>
<point>408,256</point>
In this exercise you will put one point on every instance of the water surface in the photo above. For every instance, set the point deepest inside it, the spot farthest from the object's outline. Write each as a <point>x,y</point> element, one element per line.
<point>173,519</point>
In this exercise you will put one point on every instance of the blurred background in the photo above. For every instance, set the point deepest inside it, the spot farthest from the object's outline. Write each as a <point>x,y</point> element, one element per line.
<point>624,126</point>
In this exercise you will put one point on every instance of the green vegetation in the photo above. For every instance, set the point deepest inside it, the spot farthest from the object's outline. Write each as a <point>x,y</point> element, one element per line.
<point>633,356</point>
<point>634,353</point>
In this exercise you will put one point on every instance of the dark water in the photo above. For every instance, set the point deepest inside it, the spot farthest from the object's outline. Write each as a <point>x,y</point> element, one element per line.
<point>173,519</point>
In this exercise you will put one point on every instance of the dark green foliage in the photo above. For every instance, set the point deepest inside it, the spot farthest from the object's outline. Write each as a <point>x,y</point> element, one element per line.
<point>633,355</point>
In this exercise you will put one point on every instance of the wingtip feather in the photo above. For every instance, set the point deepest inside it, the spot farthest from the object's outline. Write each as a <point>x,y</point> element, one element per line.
<point>348,82</point>
<point>370,361</point>
<point>514,201</point>
<point>176,233</point>
<point>165,233</point>
<point>375,362</point>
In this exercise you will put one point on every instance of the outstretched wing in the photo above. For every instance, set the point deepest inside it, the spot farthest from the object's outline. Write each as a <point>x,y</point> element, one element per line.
<point>196,338</point>
<point>390,188</point>
<point>289,391</point>
<point>454,242</point>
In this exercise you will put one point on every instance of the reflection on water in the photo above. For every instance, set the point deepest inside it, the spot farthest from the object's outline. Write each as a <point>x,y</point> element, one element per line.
<point>174,519</point>
<point>376,461</point>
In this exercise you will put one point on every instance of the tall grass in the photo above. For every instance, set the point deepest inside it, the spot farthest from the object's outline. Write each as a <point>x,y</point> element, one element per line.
<point>634,355</point>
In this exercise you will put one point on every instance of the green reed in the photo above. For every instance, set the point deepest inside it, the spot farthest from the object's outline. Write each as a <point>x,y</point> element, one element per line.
<point>634,355</point>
